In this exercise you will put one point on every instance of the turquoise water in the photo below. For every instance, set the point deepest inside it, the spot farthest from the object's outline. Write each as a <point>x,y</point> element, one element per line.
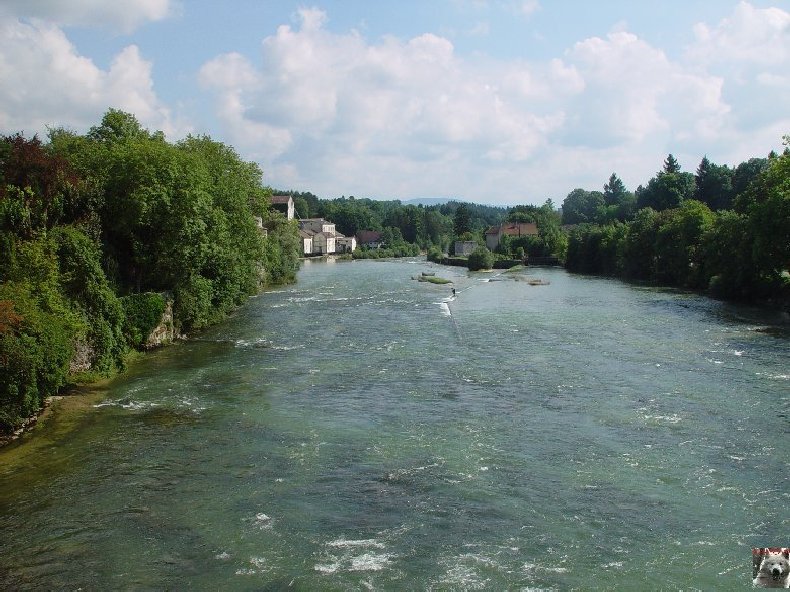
<point>363,431</point>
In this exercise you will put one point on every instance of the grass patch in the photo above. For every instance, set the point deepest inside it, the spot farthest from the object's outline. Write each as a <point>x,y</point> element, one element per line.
<point>433,279</point>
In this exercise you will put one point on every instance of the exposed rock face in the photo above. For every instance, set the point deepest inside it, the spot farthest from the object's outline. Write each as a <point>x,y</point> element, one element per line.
<point>165,332</point>
<point>83,357</point>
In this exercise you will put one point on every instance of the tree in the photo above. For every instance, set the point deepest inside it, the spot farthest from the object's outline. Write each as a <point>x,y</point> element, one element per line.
<point>480,258</point>
<point>769,218</point>
<point>614,191</point>
<point>581,206</point>
<point>118,125</point>
<point>713,185</point>
<point>666,190</point>
<point>679,259</point>
<point>742,177</point>
<point>462,220</point>
<point>619,203</point>
<point>671,165</point>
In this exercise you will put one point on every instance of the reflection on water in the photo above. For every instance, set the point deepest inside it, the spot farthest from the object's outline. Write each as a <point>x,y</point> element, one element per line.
<point>360,430</point>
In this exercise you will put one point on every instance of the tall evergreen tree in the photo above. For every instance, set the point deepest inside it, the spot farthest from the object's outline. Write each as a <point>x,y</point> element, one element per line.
<point>671,165</point>
<point>614,191</point>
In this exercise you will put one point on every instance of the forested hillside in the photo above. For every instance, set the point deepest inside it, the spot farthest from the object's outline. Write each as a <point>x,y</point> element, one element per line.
<point>98,230</point>
<point>722,230</point>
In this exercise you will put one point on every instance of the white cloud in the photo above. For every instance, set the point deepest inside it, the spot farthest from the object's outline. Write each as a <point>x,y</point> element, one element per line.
<point>343,112</point>
<point>633,91</point>
<point>125,16</point>
<point>528,7</point>
<point>336,113</point>
<point>750,51</point>
<point>754,36</point>
<point>47,82</point>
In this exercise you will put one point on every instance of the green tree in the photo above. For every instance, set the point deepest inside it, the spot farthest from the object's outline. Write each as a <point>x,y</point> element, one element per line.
<point>668,189</point>
<point>480,258</point>
<point>713,185</point>
<point>581,206</point>
<point>619,203</point>
<point>671,165</point>
<point>679,259</point>
<point>462,220</point>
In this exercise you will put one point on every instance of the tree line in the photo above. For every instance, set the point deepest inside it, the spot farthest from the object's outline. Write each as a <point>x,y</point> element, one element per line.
<point>722,230</point>
<point>98,230</point>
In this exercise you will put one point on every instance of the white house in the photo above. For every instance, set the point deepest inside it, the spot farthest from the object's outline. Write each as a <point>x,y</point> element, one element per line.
<point>345,244</point>
<point>307,242</point>
<point>319,236</point>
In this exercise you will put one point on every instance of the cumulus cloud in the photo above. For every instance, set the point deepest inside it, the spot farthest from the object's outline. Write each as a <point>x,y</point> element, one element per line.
<point>638,93</point>
<point>343,108</point>
<point>47,82</point>
<point>750,50</point>
<point>755,36</point>
<point>124,16</point>
<point>331,112</point>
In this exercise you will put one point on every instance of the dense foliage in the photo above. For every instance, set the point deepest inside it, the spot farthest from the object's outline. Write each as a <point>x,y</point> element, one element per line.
<point>95,229</point>
<point>480,258</point>
<point>725,231</point>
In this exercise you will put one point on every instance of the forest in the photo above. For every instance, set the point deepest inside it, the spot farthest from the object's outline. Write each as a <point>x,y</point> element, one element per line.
<point>723,231</point>
<point>100,232</point>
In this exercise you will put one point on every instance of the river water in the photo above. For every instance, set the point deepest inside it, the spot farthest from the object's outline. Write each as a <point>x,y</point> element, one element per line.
<point>360,430</point>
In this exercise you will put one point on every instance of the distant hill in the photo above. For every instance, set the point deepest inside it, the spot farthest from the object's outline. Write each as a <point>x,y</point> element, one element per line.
<point>429,201</point>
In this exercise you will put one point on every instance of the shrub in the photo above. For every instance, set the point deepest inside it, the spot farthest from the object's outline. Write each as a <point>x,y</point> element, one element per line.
<point>481,258</point>
<point>143,313</point>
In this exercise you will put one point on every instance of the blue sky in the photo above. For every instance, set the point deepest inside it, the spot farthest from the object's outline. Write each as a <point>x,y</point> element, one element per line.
<point>492,101</point>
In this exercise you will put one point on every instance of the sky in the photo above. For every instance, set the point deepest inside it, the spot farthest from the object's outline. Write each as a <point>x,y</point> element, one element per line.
<point>489,101</point>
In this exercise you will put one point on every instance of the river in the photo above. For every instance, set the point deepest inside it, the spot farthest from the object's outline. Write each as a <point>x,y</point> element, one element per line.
<point>360,430</point>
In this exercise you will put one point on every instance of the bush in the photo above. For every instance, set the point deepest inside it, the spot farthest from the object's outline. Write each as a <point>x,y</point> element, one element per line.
<point>435,254</point>
<point>143,314</point>
<point>481,258</point>
<point>36,347</point>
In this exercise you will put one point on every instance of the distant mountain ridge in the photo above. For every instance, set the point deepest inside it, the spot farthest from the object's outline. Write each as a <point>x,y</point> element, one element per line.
<point>430,201</point>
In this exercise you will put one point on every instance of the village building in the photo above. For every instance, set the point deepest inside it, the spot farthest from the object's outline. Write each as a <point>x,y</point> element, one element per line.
<point>345,244</point>
<point>307,241</point>
<point>284,204</point>
<point>465,248</point>
<point>319,236</point>
<point>515,229</point>
<point>369,239</point>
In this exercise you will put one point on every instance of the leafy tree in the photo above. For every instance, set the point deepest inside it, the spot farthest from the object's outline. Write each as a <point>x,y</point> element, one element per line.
<point>714,185</point>
<point>581,206</point>
<point>679,259</point>
<point>668,189</point>
<point>639,249</point>
<point>769,217</point>
<point>480,258</point>
<point>743,176</point>
<point>117,126</point>
<point>619,203</point>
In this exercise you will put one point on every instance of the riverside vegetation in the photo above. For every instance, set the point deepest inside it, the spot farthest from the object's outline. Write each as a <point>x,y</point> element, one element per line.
<point>97,230</point>
<point>722,231</point>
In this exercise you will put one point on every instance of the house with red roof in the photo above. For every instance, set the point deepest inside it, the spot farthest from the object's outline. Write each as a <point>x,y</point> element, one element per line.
<point>495,233</point>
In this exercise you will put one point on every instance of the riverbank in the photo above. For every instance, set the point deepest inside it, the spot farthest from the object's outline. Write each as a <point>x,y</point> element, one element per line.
<point>83,384</point>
